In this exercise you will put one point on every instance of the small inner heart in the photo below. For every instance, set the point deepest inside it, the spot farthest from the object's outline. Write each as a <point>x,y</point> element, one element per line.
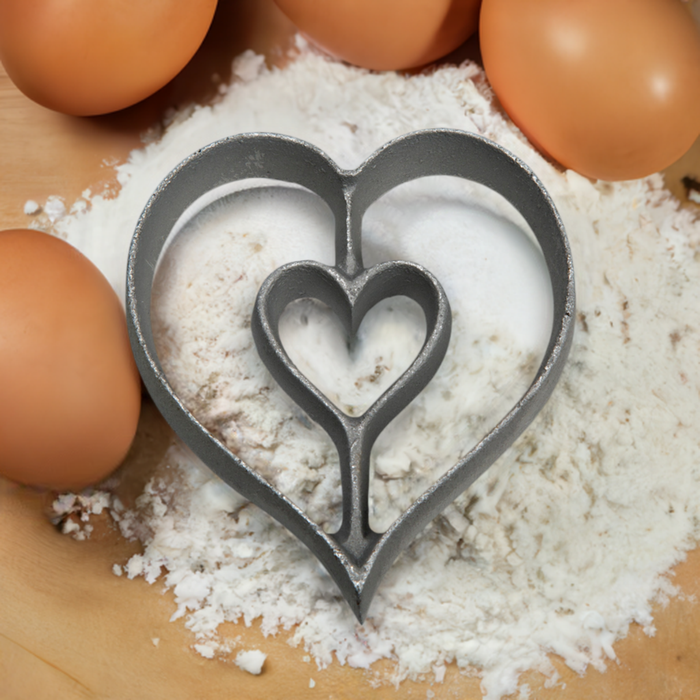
<point>353,372</point>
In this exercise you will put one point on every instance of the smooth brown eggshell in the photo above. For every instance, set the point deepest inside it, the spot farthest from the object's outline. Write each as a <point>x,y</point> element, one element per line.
<point>71,393</point>
<point>609,89</point>
<point>87,57</point>
<point>385,34</point>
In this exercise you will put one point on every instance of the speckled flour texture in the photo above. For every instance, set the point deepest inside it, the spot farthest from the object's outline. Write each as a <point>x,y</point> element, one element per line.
<point>564,542</point>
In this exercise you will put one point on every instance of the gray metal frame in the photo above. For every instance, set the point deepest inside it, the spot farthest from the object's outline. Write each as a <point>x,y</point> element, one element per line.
<point>355,556</point>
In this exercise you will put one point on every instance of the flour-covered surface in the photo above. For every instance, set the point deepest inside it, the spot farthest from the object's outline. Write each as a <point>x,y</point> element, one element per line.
<point>563,543</point>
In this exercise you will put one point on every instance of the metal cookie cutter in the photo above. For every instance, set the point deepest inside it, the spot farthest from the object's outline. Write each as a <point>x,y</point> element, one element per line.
<point>355,556</point>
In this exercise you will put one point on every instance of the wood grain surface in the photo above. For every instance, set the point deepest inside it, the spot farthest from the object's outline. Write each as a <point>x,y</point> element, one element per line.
<point>72,630</point>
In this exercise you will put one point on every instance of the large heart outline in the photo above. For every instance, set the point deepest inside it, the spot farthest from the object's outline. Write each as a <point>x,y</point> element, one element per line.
<point>348,194</point>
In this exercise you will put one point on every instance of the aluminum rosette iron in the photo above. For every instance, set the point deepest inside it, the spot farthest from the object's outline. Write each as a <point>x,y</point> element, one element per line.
<point>355,556</point>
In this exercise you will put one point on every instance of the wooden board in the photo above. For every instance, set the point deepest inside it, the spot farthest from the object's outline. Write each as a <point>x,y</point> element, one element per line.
<point>69,628</point>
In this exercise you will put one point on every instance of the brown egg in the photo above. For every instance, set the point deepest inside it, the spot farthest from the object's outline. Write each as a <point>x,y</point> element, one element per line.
<point>94,56</point>
<point>70,391</point>
<point>385,34</point>
<point>608,88</point>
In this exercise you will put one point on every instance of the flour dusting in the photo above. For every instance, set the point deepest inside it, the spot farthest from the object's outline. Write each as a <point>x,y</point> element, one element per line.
<point>564,542</point>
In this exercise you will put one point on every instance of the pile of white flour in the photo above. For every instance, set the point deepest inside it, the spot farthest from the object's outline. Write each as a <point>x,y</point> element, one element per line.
<point>565,541</point>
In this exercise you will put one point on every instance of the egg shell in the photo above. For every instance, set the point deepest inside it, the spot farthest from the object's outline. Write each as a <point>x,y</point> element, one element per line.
<point>87,57</point>
<point>385,34</point>
<point>609,89</point>
<point>71,393</point>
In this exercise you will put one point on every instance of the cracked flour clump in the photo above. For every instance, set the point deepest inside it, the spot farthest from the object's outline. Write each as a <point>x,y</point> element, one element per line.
<point>563,543</point>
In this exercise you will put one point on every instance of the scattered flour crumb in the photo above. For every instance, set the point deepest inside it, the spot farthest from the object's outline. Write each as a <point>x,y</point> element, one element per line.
<point>31,207</point>
<point>312,683</point>
<point>206,650</point>
<point>156,641</point>
<point>55,208</point>
<point>117,570</point>
<point>71,512</point>
<point>251,661</point>
<point>79,206</point>
<point>248,66</point>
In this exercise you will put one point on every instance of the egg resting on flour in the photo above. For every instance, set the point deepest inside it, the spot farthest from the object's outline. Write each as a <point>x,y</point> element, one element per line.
<point>71,394</point>
<point>610,89</point>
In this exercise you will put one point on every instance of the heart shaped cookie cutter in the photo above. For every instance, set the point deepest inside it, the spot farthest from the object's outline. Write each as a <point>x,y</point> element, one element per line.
<point>355,556</point>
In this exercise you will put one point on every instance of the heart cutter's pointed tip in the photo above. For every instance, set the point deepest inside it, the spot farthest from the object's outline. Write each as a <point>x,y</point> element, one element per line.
<point>352,580</point>
<point>357,603</point>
